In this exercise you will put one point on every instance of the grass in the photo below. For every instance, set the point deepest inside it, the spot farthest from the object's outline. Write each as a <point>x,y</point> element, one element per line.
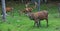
<point>23,23</point>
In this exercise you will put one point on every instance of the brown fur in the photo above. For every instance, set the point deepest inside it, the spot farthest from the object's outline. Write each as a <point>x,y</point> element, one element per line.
<point>8,9</point>
<point>27,10</point>
<point>38,16</point>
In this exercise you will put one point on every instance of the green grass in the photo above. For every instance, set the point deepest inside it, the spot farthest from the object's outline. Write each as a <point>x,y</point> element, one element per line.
<point>23,23</point>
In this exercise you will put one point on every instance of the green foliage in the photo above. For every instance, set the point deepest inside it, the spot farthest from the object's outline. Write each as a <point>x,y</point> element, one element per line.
<point>23,23</point>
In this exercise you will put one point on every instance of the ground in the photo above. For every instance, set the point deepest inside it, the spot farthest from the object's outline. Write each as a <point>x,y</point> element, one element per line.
<point>23,23</point>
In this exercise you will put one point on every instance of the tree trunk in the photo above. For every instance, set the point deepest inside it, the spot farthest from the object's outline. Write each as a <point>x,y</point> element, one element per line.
<point>3,10</point>
<point>59,9</point>
<point>38,5</point>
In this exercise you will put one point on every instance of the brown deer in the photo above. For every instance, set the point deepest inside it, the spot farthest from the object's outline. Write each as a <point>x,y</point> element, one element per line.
<point>38,16</point>
<point>8,9</point>
<point>28,9</point>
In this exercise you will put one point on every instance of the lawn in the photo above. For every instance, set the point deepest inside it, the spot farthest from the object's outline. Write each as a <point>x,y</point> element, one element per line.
<point>23,23</point>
